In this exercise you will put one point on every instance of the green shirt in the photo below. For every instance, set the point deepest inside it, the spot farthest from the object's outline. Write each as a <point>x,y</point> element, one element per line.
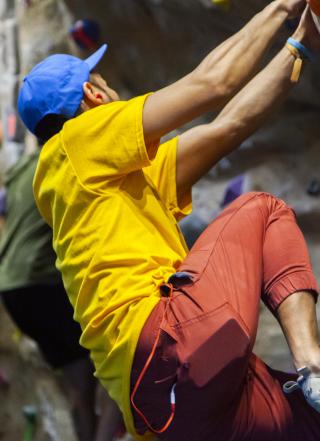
<point>26,254</point>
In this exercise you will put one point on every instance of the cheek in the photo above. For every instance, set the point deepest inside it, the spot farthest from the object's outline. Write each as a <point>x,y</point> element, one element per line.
<point>113,95</point>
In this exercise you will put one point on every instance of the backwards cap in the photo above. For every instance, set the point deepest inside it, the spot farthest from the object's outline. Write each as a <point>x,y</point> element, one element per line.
<point>54,86</point>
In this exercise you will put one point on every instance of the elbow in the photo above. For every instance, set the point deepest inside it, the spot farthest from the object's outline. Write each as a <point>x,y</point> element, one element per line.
<point>230,131</point>
<point>215,88</point>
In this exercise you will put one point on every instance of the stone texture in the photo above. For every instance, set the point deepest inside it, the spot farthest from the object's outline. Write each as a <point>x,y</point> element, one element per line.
<point>27,380</point>
<point>153,43</point>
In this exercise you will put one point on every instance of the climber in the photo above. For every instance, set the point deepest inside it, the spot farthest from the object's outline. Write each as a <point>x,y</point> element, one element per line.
<point>171,332</point>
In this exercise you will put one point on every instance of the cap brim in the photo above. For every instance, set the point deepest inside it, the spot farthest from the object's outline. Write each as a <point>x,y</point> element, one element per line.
<point>94,59</point>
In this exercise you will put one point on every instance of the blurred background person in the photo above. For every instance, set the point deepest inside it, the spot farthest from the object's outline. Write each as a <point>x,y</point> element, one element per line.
<point>33,294</point>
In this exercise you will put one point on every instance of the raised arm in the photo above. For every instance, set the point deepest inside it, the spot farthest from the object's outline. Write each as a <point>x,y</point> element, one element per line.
<point>201,147</point>
<point>220,75</point>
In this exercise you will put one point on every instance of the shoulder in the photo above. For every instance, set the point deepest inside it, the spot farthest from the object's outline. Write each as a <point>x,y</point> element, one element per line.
<point>114,115</point>
<point>104,127</point>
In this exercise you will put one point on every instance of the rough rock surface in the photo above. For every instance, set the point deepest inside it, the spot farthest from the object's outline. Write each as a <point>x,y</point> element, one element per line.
<point>154,42</point>
<point>25,380</point>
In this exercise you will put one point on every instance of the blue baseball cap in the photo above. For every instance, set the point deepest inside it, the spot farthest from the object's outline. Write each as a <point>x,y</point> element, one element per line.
<point>54,86</point>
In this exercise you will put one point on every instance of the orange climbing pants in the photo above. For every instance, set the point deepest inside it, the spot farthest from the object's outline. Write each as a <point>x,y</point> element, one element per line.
<point>254,250</point>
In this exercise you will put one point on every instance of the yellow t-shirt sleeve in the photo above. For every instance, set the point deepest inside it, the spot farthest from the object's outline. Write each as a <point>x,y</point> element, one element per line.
<point>163,174</point>
<point>107,142</point>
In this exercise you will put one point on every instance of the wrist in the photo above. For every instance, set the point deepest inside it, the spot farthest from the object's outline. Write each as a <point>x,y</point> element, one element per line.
<point>291,9</point>
<point>280,8</point>
<point>301,50</point>
<point>311,360</point>
<point>272,18</point>
<point>301,36</point>
<point>307,33</point>
<point>300,53</point>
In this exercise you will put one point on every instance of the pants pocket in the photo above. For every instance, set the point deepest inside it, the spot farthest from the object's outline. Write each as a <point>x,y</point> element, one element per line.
<point>211,343</point>
<point>195,263</point>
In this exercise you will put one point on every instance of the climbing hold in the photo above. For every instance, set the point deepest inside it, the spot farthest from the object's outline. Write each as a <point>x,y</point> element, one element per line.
<point>223,4</point>
<point>3,201</point>
<point>11,120</point>
<point>17,335</point>
<point>234,189</point>
<point>30,413</point>
<point>27,3</point>
<point>4,381</point>
<point>314,187</point>
<point>86,33</point>
<point>315,10</point>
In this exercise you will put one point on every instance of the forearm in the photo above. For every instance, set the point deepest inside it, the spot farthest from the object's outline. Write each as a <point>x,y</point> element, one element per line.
<point>207,144</point>
<point>219,76</point>
<point>297,316</point>
<point>254,103</point>
<point>248,110</point>
<point>203,146</point>
<point>232,64</point>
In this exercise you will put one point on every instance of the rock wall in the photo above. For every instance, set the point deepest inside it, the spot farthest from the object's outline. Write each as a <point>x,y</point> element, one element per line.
<point>26,381</point>
<point>153,43</point>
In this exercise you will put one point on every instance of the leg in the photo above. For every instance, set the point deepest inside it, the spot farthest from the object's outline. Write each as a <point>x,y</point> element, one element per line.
<point>110,418</point>
<point>57,336</point>
<point>213,321</point>
<point>81,385</point>
<point>44,313</point>
<point>285,240</point>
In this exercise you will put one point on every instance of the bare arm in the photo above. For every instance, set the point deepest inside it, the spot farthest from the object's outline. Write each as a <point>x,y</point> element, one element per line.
<point>201,147</point>
<point>220,75</point>
<point>302,335</point>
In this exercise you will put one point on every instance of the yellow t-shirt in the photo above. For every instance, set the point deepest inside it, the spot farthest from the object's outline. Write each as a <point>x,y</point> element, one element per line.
<point>112,205</point>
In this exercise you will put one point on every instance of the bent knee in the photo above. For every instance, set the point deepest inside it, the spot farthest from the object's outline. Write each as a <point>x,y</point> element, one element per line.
<point>270,206</point>
<point>261,202</point>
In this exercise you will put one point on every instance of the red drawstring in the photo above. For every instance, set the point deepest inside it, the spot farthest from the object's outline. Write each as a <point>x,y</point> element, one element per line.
<point>142,373</point>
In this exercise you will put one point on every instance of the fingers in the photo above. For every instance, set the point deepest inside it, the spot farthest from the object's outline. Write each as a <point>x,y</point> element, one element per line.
<point>316,19</point>
<point>295,8</point>
<point>307,33</point>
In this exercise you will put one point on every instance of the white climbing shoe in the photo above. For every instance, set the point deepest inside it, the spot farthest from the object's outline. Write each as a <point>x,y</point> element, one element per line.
<point>309,383</point>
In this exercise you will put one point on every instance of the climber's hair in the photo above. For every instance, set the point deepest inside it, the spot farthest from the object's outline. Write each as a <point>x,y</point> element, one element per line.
<point>49,126</point>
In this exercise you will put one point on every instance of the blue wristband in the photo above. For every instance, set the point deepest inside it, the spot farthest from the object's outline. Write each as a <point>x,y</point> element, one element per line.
<point>307,53</point>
